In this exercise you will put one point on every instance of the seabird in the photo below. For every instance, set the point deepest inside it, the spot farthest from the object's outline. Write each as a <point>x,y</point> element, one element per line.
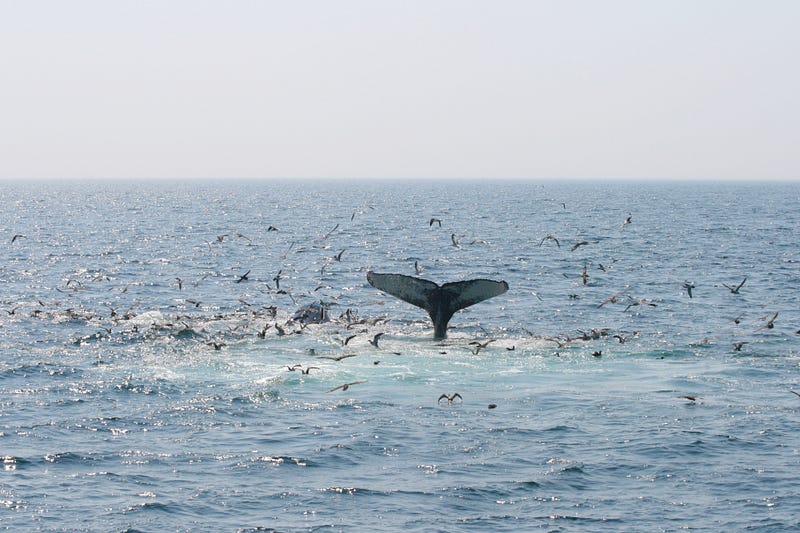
<point>640,302</point>
<point>549,237</point>
<point>577,245</point>
<point>456,240</point>
<point>243,277</point>
<point>611,300</point>
<point>345,386</point>
<point>374,340</point>
<point>263,333</point>
<point>348,339</point>
<point>479,346</point>
<point>688,286</point>
<point>337,357</point>
<point>735,290</point>
<point>450,398</point>
<point>438,221</point>
<point>331,231</point>
<point>770,323</point>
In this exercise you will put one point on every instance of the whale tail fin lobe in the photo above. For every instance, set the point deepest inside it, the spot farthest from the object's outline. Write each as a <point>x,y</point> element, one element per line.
<point>415,291</point>
<point>439,302</point>
<point>465,293</point>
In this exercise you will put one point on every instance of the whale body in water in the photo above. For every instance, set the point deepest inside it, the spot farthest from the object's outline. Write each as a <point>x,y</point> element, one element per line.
<point>315,313</point>
<point>439,301</point>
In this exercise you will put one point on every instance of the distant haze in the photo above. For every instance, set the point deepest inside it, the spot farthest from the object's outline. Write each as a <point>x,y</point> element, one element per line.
<point>393,89</point>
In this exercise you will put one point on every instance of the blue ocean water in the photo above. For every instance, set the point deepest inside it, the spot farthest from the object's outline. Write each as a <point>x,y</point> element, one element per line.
<point>146,336</point>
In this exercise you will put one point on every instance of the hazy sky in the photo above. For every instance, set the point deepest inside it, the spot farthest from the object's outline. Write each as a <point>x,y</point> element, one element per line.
<point>371,88</point>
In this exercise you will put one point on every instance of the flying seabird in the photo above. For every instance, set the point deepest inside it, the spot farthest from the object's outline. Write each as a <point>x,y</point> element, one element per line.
<point>770,323</point>
<point>640,302</point>
<point>610,300</point>
<point>374,340</point>
<point>549,237</point>
<point>479,346</point>
<point>688,286</point>
<point>345,386</point>
<point>348,339</point>
<point>735,290</point>
<point>331,231</point>
<point>450,398</point>
<point>337,357</point>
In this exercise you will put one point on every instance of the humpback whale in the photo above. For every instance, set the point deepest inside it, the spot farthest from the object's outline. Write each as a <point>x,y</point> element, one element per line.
<point>439,301</point>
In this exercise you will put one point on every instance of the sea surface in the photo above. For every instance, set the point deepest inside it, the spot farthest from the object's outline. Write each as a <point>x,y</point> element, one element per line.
<point>147,336</point>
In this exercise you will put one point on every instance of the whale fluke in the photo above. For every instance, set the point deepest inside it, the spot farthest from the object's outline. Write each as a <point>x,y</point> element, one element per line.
<point>439,301</point>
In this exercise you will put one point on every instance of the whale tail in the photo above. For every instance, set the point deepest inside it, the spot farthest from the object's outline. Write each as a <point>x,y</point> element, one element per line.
<point>441,302</point>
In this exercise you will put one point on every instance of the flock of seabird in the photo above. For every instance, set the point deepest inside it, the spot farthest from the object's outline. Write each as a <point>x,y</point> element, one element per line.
<point>180,324</point>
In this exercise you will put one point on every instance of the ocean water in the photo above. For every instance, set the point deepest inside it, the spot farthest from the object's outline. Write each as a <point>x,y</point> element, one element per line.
<point>145,382</point>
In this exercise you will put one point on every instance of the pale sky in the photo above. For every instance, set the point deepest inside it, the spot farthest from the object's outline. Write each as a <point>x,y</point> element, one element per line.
<point>431,88</point>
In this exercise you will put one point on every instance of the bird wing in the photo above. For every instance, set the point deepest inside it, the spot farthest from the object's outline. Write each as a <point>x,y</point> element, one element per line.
<point>409,289</point>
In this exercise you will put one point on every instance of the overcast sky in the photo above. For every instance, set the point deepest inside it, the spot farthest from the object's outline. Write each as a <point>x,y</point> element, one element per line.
<point>371,88</point>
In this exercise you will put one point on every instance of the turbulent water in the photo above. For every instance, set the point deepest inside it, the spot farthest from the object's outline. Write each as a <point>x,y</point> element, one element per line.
<point>147,336</point>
